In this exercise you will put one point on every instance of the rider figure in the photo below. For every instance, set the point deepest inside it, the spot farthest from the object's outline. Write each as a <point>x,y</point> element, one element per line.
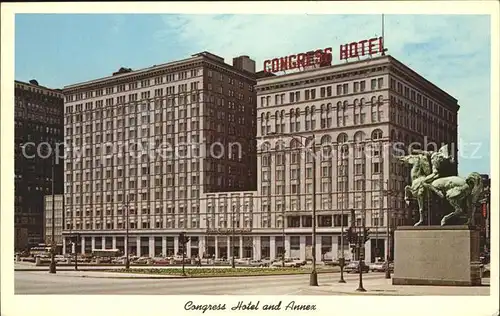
<point>437,161</point>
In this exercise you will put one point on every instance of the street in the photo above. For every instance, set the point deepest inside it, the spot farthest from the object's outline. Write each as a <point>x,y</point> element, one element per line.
<point>33,282</point>
<point>70,282</point>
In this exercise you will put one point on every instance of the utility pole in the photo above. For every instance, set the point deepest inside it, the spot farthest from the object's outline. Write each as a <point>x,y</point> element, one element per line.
<point>388,231</point>
<point>313,281</point>
<point>283,221</point>
<point>77,236</point>
<point>127,246</point>
<point>361,252</point>
<point>342,258</point>
<point>52,268</point>
<point>232,235</point>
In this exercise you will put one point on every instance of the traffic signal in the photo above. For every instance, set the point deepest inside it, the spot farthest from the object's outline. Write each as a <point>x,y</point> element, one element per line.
<point>183,239</point>
<point>366,235</point>
<point>351,235</point>
<point>484,209</point>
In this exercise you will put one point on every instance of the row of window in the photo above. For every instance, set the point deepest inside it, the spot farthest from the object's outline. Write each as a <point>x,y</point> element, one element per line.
<point>158,80</point>
<point>324,92</point>
<point>36,93</point>
<point>145,83</point>
<point>145,104</point>
<point>426,102</point>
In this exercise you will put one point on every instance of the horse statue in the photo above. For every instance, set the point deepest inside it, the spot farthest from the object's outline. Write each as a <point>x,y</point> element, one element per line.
<point>460,193</point>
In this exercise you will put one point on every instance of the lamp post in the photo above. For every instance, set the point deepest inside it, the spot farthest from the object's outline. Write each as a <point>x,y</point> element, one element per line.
<point>232,238</point>
<point>127,260</point>
<point>342,258</point>
<point>361,245</point>
<point>313,279</point>
<point>77,237</point>
<point>52,268</point>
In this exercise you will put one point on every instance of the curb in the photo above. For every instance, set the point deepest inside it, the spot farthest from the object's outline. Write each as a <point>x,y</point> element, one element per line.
<point>133,278</point>
<point>208,276</point>
<point>66,270</point>
<point>150,277</point>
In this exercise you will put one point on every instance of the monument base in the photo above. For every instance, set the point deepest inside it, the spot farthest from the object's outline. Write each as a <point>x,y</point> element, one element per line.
<point>436,255</point>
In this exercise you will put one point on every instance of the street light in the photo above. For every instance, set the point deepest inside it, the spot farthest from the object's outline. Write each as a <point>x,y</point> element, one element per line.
<point>313,279</point>
<point>388,232</point>
<point>342,258</point>
<point>52,268</point>
<point>361,246</point>
<point>127,260</point>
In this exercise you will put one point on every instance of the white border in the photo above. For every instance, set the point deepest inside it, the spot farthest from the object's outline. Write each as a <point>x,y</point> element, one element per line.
<point>160,305</point>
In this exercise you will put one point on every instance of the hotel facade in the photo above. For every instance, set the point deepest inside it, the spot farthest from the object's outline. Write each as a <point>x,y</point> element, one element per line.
<point>349,116</point>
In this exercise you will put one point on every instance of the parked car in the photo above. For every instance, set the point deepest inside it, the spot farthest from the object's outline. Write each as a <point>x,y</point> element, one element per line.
<point>289,263</point>
<point>161,260</point>
<point>353,267</point>
<point>258,263</point>
<point>242,261</point>
<point>266,261</point>
<point>300,262</point>
<point>381,266</point>
<point>178,260</point>
<point>142,260</point>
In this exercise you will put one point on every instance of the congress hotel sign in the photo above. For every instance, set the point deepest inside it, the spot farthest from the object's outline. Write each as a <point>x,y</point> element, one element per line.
<point>323,57</point>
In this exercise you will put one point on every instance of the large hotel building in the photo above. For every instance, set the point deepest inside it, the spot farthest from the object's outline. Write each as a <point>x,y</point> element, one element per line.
<point>257,198</point>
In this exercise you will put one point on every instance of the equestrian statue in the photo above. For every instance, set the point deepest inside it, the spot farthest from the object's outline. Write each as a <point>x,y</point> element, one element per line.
<point>462,194</point>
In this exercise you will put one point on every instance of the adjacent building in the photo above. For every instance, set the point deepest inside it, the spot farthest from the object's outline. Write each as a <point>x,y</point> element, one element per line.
<point>357,116</point>
<point>148,144</point>
<point>53,203</point>
<point>38,129</point>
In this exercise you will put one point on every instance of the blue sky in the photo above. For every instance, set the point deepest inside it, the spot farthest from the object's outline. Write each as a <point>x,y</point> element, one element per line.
<point>452,51</point>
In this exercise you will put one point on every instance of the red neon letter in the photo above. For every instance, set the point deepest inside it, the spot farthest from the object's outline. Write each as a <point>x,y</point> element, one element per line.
<point>353,49</point>
<point>266,65</point>
<point>318,56</point>
<point>362,43</point>
<point>371,46</point>
<point>275,65</point>
<point>381,45</point>
<point>283,63</point>
<point>291,62</point>
<point>326,57</point>
<point>309,58</point>
<point>300,60</point>
<point>344,53</point>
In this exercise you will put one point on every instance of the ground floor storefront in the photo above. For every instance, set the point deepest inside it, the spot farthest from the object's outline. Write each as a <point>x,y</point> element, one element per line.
<point>256,247</point>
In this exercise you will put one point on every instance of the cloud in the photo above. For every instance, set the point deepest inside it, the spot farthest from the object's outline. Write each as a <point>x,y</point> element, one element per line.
<point>451,51</point>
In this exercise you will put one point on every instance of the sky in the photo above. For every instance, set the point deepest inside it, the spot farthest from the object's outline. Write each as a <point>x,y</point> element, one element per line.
<point>451,51</point>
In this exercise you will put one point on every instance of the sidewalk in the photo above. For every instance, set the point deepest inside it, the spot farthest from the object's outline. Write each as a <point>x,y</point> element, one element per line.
<point>384,286</point>
<point>97,274</point>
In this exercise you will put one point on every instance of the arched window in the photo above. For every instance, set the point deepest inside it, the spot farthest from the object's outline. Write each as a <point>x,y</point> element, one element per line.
<point>359,136</point>
<point>326,147</point>
<point>326,139</point>
<point>342,138</point>
<point>377,134</point>
<point>380,100</point>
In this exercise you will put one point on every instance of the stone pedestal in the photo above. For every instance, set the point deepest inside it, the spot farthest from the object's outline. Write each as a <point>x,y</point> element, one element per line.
<point>436,255</point>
